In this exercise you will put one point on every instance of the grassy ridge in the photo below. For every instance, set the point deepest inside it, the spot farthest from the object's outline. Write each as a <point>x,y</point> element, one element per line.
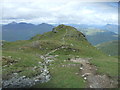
<point>62,76</point>
<point>110,48</point>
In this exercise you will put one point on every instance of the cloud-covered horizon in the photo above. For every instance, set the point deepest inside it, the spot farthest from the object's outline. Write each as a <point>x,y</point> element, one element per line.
<point>57,12</point>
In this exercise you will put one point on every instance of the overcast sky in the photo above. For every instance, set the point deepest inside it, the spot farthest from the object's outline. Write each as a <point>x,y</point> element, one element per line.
<point>59,11</point>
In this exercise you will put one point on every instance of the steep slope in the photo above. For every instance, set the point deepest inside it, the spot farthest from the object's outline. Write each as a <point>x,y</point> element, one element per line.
<point>97,36</point>
<point>110,48</point>
<point>23,31</point>
<point>51,56</point>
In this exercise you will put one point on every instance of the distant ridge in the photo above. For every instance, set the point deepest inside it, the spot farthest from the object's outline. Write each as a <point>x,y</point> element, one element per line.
<point>23,31</point>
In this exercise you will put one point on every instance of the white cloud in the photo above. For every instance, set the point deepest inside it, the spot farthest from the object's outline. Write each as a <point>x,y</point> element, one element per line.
<point>59,11</point>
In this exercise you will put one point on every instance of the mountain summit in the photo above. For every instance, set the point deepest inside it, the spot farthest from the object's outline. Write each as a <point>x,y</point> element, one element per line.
<point>63,32</point>
<point>70,31</point>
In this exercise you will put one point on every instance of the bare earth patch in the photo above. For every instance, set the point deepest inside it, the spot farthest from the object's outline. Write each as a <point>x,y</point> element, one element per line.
<point>93,79</point>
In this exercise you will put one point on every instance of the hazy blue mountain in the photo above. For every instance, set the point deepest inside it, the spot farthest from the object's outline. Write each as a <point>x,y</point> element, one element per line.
<point>111,27</point>
<point>23,31</point>
<point>107,27</point>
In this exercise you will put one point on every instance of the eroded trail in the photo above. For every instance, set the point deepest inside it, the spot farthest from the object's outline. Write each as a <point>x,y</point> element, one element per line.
<point>93,79</point>
<point>63,39</point>
<point>22,81</point>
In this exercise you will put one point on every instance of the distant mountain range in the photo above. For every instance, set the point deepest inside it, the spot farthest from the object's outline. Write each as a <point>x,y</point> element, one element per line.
<point>95,34</point>
<point>108,27</point>
<point>23,31</point>
<point>111,27</point>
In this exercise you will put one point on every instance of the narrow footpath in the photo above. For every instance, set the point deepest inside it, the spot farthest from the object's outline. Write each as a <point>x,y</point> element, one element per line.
<point>89,73</point>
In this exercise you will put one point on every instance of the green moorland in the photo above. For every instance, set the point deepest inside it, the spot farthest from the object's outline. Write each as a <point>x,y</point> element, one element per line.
<point>25,56</point>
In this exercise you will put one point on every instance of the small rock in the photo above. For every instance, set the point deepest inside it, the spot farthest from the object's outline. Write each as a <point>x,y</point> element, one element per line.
<point>63,65</point>
<point>91,86</point>
<point>85,78</point>
<point>81,68</point>
<point>73,50</point>
<point>76,73</point>
<point>47,77</point>
<point>39,62</point>
<point>56,55</point>
<point>64,60</point>
<point>35,67</point>
<point>19,58</point>
<point>15,73</point>
<point>24,76</point>
<point>71,44</point>
<point>20,48</point>
<point>5,65</point>
<point>83,75</point>
<point>90,68</point>
<point>36,80</point>
<point>84,81</point>
<point>77,56</point>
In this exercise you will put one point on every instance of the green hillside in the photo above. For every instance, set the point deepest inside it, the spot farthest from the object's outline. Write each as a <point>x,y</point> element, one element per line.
<point>61,45</point>
<point>110,48</point>
<point>98,36</point>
